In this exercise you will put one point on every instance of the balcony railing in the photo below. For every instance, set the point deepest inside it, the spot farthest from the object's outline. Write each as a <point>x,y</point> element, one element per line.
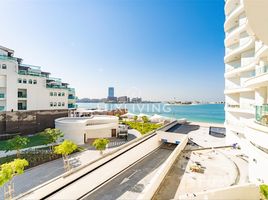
<point>233,10</point>
<point>72,106</point>
<point>31,73</point>
<point>3,57</point>
<point>54,79</point>
<point>71,97</point>
<point>2,95</point>
<point>34,67</point>
<point>71,89</point>
<point>261,115</point>
<point>262,70</point>
<point>22,95</point>
<point>22,107</point>
<point>57,86</point>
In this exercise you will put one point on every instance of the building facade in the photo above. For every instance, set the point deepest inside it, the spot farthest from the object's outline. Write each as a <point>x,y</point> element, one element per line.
<point>246,87</point>
<point>26,87</point>
<point>123,99</point>
<point>82,129</point>
<point>110,92</point>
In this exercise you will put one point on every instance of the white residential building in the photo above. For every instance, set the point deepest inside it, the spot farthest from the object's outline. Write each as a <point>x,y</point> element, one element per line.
<point>26,87</point>
<point>246,82</point>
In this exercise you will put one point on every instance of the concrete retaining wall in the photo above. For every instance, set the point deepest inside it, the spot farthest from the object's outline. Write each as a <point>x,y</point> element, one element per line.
<point>27,122</point>
<point>170,137</point>
<point>168,126</point>
<point>162,171</point>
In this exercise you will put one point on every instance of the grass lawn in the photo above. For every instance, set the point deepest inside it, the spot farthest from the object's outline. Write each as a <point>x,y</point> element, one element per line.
<point>143,128</point>
<point>35,140</point>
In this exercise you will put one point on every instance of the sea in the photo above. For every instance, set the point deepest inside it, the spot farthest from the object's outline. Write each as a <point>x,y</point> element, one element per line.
<point>209,113</point>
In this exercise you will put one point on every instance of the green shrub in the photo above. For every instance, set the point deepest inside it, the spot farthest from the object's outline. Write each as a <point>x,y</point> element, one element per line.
<point>100,144</point>
<point>143,128</point>
<point>264,190</point>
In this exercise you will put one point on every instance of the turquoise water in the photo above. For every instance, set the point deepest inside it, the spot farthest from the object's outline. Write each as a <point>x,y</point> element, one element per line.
<point>213,113</point>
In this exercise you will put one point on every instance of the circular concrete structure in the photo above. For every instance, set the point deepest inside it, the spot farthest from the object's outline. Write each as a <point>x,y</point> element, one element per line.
<point>80,129</point>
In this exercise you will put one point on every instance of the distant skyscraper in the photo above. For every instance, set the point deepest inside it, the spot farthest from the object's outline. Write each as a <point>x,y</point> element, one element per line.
<point>110,92</point>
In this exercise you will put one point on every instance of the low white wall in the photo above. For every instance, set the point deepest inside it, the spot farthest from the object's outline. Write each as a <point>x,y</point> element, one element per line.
<point>74,128</point>
<point>168,126</point>
<point>74,132</point>
<point>100,175</point>
<point>240,192</point>
<point>170,137</point>
<point>150,190</point>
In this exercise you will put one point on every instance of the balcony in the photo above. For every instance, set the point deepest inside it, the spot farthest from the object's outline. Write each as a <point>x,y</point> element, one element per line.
<point>2,95</point>
<point>56,86</point>
<point>261,115</point>
<point>3,57</point>
<point>262,70</point>
<point>71,97</point>
<point>72,106</point>
<point>234,52</point>
<point>22,107</point>
<point>71,90</point>
<point>234,14</point>
<point>22,93</point>
<point>238,109</point>
<point>32,73</point>
<point>234,33</point>
<point>259,79</point>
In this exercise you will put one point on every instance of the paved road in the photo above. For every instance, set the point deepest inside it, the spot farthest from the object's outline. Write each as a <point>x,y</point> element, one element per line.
<point>132,182</point>
<point>45,172</point>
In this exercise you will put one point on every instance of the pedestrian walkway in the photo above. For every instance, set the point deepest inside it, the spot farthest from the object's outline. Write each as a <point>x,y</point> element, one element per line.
<point>47,171</point>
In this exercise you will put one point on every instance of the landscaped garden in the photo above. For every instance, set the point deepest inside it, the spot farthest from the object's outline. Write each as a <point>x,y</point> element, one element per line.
<point>142,127</point>
<point>13,165</point>
<point>33,156</point>
<point>35,140</point>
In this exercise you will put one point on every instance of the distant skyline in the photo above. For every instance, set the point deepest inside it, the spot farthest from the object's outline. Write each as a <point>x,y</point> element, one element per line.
<point>156,49</point>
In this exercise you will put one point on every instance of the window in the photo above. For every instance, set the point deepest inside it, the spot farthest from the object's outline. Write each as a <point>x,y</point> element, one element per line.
<point>4,66</point>
<point>55,103</point>
<point>30,81</point>
<point>63,104</point>
<point>34,82</point>
<point>59,94</point>
<point>51,104</point>
<point>55,94</point>
<point>63,94</point>
<point>24,81</point>
<point>19,80</point>
<point>59,104</point>
<point>51,93</point>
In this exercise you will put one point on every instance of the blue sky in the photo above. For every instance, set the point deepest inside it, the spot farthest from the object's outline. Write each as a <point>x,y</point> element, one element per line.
<point>157,49</point>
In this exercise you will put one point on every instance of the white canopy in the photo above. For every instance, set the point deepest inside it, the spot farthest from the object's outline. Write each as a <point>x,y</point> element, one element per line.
<point>128,115</point>
<point>158,118</point>
<point>143,115</point>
